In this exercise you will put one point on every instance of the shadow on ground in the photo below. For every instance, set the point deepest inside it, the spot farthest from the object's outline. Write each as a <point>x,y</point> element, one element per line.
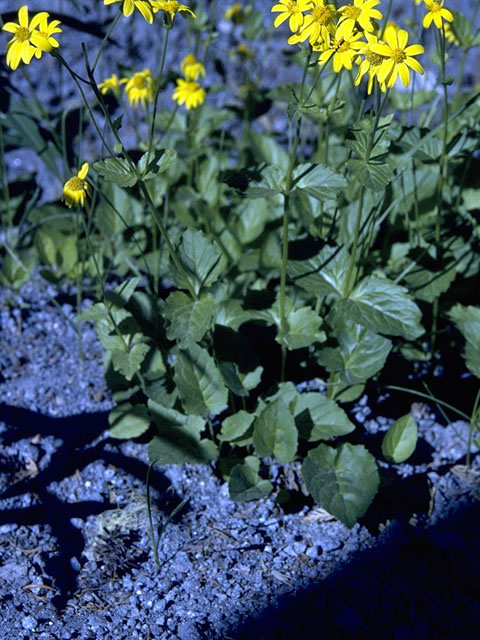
<point>76,452</point>
<point>415,584</point>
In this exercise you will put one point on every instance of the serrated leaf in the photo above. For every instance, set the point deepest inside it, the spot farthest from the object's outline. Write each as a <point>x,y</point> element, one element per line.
<point>188,320</point>
<point>363,352</point>
<point>318,181</point>
<point>400,440</point>
<point>127,421</point>
<point>236,426</point>
<point>200,384</point>
<point>116,170</point>
<point>267,150</point>
<point>271,183</point>
<point>427,285</point>
<point>467,321</point>
<point>202,261</point>
<point>245,484</point>
<point>46,245</point>
<point>67,255</point>
<point>323,274</point>
<point>381,305</point>
<point>128,363</point>
<point>343,481</point>
<point>275,433</point>
<point>375,175</point>
<point>319,418</point>
<point>180,447</point>
<point>122,293</point>
<point>303,328</point>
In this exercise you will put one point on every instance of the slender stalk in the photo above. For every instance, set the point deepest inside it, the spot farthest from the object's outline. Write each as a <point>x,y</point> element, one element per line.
<point>158,83</point>
<point>471,427</point>
<point>105,39</point>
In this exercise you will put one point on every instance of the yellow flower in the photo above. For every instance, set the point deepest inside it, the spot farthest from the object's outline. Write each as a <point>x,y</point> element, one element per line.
<point>370,64</point>
<point>317,25</point>
<point>450,34</point>
<point>46,31</point>
<point>129,5</point>
<point>398,57</point>
<point>192,68</point>
<point>190,93</point>
<point>170,9</point>
<point>139,88</point>
<point>237,13</point>
<point>26,38</point>
<point>75,188</point>
<point>361,12</point>
<point>110,84</point>
<point>436,14</point>
<point>344,48</point>
<point>291,10</point>
<point>242,51</point>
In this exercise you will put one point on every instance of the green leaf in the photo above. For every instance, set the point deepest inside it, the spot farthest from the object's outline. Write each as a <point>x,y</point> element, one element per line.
<point>427,285</point>
<point>266,150</point>
<point>45,243</point>
<point>271,183</point>
<point>127,421</point>
<point>201,259</point>
<point>129,363</point>
<point>245,484</point>
<point>303,328</point>
<point>180,447</point>
<point>323,274</point>
<point>318,181</point>
<point>467,321</point>
<point>363,352</point>
<point>400,440</point>
<point>274,432</point>
<point>116,170</point>
<point>236,426</point>
<point>319,418</point>
<point>200,384</point>
<point>67,255</point>
<point>188,320</point>
<point>374,174</point>
<point>343,481</point>
<point>382,305</point>
<point>122,293</point>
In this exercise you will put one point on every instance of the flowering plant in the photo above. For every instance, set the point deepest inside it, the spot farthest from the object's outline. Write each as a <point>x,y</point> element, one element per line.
<point>264,284</point>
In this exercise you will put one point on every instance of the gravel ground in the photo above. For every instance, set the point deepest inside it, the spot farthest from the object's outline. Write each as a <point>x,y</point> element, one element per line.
<point>76,558</point>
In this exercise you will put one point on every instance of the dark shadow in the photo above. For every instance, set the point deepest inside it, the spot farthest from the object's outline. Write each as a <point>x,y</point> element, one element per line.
<point>75,452</point>
<point>415,584</point>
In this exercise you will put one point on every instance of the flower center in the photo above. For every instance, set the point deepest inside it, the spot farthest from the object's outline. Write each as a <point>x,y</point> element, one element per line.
<point>352,12</point>
<point>375,59</point>
<point>435,7</point>
<point>345,46</point>
<point>139,82</point>
<point>22,34</point>
<point>76,184</point>
<point>399,55</point>
<point>293,7</point>
<point>171,5</point>
<point>321,15</point>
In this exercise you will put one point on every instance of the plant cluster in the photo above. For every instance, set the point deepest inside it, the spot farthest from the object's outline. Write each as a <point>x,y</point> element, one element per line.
<point>248,265</point>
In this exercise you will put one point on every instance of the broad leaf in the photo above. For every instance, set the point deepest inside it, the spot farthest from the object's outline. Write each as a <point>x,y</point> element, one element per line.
<point>467,321</point>
<point>400,440</point>
<point>200,384</point>
<point>323,274</point>
<point>202,261</point>
<point>127,421</point>
<point>319,418</point>
<point>343,481</point>
<point>236,426</point>
<point>188,320</point>
<point>128,363</point>
<point>382,305</point>
<point>318,181</point>
<point>116,170</point>
<point>245,484</point>
<point>275,433</point>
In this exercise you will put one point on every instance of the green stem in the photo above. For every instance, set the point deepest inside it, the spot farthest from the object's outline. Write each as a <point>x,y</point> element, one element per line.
<point>105,39</point>
<point>158,83</point>
<point>471,427</point>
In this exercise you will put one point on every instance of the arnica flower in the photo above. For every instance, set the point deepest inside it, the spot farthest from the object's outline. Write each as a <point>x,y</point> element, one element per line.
<point>361,13</point>
<point>75,188</point>
<point>170,9</point>
<point>398,57</point>
<point>343,48</point>
<point>370,64</point>
<point>190,93</point>
<point>192,68</point>
<point>318,25</point>
<point>110,84</point>
<point>291,10</point>
<point>237,13</point>
<point>27,39</point>
<point>450,34</point>
<point>436,14</point>
<point>139,88</point>
<point>129,5</point>
<point>47,30</point>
